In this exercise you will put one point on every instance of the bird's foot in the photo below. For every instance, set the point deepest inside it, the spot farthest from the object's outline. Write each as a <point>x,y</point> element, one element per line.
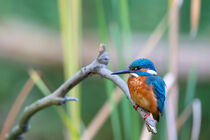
<point>135,107</point>
<point>146,115</point>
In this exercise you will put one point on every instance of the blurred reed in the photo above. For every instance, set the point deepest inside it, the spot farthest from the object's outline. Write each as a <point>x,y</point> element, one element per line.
<point>194,17</point>
<point>197,117</point>
<point>16,108</point>
<point>70,28</point>
<point>129,128</point>
<point>190,93</point>
<point>171,106</point>
<point>191,85</point>
<point>103,31</point>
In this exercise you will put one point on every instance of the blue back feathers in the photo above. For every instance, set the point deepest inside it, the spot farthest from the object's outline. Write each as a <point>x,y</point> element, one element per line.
<point>159,89</point>
<point>143,63</point>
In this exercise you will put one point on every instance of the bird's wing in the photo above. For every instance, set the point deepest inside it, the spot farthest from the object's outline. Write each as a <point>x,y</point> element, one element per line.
<point>159,90</point>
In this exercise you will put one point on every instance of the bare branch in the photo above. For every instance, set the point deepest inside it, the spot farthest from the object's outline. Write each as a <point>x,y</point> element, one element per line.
<point>98,66</point>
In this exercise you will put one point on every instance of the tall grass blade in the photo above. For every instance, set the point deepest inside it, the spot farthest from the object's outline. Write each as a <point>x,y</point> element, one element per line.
<point>197,117</point>
<point>16,107</point>
<point>109,86</point>
<point>136,125</point>
<point>191,85</point>
<point>190,93</point>
<point>129,131</point>
<point>114,115</point>
<point>127,122</point>
<point>70,29</point>
<point>171,106</point>
<point>194,17</point>
<point>126,31</point>
<point>162,131</point>
<point>38,82</point>
<point>101,18</point>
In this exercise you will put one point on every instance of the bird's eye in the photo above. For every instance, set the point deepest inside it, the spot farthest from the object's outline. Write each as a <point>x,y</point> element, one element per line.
<point>132,68</point>
<point>135,68</point>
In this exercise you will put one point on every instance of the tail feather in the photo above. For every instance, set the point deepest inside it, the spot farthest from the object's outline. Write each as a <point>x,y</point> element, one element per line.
<point>156,116</point>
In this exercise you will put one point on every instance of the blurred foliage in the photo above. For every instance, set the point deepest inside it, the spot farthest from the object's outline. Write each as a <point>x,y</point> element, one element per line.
<point>47,124</point>
<point>144,15</point>
<point>185,132</point>
<point>41,12</point>
<point>70,28</point>
<point>202,92</point>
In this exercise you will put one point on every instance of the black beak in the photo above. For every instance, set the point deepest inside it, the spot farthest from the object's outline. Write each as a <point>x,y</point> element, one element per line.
<point>122,72</point>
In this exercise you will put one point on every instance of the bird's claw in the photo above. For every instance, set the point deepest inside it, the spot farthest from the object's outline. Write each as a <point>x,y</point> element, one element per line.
<point>135,107</point>
<point>146,115</point>
<point>65,99</point>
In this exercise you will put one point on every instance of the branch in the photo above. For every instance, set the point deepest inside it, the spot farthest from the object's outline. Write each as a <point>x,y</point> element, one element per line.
<point>150,123</point>
<point>98,66</point>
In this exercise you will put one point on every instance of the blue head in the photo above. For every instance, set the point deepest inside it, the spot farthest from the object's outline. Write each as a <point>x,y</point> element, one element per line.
<point>142,64</point>
<point>138,65</point>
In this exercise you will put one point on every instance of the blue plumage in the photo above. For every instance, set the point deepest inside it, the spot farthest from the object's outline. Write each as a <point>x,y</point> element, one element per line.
<point>143,73</point>
<point>158,88</point>
<point>155,80</point>
<point>143,63</point>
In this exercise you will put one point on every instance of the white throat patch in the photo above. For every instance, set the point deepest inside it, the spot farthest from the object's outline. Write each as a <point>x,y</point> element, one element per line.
<point>134,74</point>
<point>152,72</point>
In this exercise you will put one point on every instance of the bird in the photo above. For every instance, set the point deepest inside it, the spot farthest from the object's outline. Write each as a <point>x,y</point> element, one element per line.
<point>146,87</point>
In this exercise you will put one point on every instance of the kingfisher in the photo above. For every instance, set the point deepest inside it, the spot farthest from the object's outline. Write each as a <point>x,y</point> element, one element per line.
<point>146,88</point>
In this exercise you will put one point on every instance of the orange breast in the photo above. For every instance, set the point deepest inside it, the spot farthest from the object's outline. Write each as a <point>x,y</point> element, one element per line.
<point>142,94</point>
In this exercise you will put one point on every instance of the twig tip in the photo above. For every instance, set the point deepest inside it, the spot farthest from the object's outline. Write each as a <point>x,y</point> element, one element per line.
<point>102,48</point>
<point>71,99</point>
